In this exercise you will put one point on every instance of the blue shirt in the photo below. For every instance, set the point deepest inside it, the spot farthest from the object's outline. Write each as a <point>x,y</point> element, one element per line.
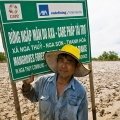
<point>72,104</point>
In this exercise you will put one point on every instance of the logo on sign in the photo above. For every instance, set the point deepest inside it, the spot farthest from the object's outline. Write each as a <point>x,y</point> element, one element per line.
<point>43,10</point>
<point>13,11</point>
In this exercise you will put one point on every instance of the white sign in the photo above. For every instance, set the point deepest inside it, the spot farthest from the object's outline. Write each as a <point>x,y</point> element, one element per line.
<point>59,9</point>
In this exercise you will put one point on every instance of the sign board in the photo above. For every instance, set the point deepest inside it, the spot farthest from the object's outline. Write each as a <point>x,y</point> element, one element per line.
<point>30,28</point>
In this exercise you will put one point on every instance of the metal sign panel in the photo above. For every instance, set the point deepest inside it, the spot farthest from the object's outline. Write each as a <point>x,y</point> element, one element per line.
<point>30,28</point>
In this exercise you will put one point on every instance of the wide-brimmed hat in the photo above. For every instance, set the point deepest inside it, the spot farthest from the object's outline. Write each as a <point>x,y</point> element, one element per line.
<point>51,59</point>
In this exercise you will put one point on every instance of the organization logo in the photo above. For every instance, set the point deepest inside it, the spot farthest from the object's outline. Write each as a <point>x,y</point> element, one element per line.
<point>43,10</point>
<point>52,10</point>
<point>13,11</point>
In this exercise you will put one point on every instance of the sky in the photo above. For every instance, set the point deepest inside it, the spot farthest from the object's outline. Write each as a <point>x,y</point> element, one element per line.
<point>104,21</point>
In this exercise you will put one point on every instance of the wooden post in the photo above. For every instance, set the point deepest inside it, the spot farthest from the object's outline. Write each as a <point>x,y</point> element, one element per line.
<point>16,101</point>
<point>92,92</point>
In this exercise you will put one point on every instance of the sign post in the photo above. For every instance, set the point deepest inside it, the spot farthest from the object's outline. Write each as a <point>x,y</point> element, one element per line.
<point>92,92</point>
<point>31,28</point>
<point>16,101</point>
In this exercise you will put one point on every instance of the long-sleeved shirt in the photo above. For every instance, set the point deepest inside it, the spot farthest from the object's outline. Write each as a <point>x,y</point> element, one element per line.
<point>72,104</point>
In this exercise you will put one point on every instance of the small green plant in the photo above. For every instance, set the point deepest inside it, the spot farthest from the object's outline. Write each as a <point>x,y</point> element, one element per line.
<point>2,57</point>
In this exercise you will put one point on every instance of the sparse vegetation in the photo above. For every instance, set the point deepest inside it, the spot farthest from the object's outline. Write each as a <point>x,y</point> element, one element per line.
<point>2,57</point>
<point>108,56</point>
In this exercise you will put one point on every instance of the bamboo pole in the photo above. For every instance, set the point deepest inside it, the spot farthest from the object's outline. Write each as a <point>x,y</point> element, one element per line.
<point>92,92</point>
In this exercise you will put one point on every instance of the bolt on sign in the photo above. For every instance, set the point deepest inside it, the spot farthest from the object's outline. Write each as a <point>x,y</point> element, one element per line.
<point>30,28</point>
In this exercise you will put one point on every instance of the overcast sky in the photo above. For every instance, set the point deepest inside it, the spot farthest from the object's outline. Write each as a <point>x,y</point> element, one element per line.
<point>104,20</point>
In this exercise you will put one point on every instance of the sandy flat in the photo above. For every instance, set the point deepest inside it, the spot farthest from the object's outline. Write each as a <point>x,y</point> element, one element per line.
<point>106,76</point>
